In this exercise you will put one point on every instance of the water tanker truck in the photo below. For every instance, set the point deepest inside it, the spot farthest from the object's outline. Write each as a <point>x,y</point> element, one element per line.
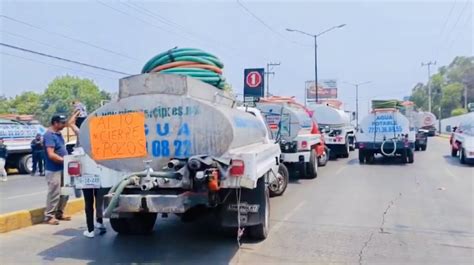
<point>339,134</point>
<point>172,144</point>
<point>291,126</point>
<point>385,131</point>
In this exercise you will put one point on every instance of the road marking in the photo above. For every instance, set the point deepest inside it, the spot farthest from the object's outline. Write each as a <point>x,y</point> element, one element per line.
<point>340,170</point>
<point>287,216</point>
<point>25,195</point>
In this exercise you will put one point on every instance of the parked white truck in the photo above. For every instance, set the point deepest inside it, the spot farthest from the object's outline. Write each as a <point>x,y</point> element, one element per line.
<point>291,126</point>
<point>339,133</point>
<point>462,140</point>
<point>17,137</point>
<point>388,132</point>
<point>173,144</point>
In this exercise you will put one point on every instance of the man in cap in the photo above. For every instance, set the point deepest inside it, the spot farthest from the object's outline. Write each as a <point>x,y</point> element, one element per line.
<point>54,164</point>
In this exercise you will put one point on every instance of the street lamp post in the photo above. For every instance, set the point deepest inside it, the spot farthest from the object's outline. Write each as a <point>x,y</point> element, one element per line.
<point>315,36</point>
<point>357,98</point>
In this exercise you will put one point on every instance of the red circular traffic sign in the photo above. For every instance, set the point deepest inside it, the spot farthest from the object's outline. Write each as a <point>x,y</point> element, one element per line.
<point>253,79</point>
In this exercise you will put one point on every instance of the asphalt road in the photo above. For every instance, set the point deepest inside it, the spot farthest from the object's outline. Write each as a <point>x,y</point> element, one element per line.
<point>420,213</point>
<point>22,192</point>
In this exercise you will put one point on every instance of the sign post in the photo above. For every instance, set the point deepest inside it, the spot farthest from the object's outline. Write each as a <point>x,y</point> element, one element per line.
<point>254,84</point>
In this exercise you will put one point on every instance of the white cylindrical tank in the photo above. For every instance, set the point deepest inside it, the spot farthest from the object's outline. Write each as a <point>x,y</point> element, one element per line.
<point>183,117</point>
<point>381,125</point>
<point>293,119</point>
<point>425,119</point>
<point>330,116</point>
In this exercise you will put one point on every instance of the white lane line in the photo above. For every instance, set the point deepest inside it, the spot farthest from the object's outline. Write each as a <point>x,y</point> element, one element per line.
<point>340,170</point>
<point>25,195</point>
<point>287,216</point>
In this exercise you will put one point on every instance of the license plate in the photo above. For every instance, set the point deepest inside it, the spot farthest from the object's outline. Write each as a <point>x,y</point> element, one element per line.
<point>244,208</point>
<point>87,181</point>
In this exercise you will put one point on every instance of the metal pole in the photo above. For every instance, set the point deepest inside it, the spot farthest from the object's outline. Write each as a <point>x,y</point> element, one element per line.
<point>429,88</point>
<point>316,66</point>
<point>268,80</point>
<point>357,105</point>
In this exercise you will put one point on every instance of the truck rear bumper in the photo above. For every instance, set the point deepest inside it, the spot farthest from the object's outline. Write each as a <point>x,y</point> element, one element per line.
<point>388,146</point>
<point>157,203</point>
<point>295,157</point>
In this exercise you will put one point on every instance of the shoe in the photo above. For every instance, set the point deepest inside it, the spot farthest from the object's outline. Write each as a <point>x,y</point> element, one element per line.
<point>99,226</point>
<point>63,218</point>
<point>52,221</point>
<point>89,234</point>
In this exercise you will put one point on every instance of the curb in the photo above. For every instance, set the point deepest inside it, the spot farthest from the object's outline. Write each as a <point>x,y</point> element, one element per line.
<point>24,218</point>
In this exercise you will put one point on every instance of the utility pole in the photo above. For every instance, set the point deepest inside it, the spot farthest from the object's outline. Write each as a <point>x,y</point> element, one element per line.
<point>356,85</point>
<point>268,73</point>
<point>316,68</point>
<point>428,65</point>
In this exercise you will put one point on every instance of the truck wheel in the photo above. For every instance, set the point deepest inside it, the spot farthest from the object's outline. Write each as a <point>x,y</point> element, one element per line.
<point>369,158</point>
<point>323,159</point>
<point>25,164</point>
<point>454,152</point>
<point>423,148</point>
<point>410,156</point>
<point>311,167</point>
<point>462,156</point>
<point>278,187</point>
<point>260,231</point>
<point>352,145</point>
<point>347,149</point>
<point>361,156</point>
<point>139,224</point>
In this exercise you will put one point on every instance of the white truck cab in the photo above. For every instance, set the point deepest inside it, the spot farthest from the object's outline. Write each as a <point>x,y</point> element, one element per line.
<point>462,141</point>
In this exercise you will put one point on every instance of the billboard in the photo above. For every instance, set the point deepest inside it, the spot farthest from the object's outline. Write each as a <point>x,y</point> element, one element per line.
<point>327,89</point>
<point>253,83</point>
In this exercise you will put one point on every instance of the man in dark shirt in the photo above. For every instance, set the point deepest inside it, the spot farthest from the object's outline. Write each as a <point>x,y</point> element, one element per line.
<point>55,151</point>
<point>37,151</point>
<point>3,159</point>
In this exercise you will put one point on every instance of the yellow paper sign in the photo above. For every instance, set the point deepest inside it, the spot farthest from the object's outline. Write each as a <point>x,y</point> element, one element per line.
<point>118,136</point>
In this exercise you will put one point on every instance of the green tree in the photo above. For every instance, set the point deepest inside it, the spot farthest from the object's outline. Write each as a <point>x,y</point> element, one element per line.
<point>60,93</point>
<point>458,111</point>
<point>4,105</point>
<point>27,103</point>
<point>451,99</point>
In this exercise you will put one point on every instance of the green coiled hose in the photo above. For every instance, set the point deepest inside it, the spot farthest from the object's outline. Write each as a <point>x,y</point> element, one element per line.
<point>189,55</point>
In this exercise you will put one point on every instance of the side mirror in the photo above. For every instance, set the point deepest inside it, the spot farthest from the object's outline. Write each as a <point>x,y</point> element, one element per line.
<point>326,129</point>
<point>455,128</point>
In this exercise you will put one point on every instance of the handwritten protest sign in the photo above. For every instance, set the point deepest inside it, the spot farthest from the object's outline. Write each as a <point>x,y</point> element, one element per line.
<point>118,136</point>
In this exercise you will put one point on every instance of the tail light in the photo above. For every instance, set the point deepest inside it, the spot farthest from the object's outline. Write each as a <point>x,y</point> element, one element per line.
<point>74,168</point>
<point>237,168</point>
<point>361,145</point>
<point>304,144</point>
<point>339,138</point>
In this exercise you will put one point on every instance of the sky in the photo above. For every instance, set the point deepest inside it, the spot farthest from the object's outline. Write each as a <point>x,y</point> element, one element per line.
<point>383,42</point>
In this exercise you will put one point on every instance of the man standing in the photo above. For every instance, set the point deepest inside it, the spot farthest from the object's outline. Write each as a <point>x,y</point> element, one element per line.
<point>3,159</point>
<point>37,151</point>
<point>55,151</point>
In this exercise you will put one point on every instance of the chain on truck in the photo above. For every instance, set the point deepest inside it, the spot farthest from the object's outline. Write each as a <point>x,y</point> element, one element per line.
<point>172,144</point>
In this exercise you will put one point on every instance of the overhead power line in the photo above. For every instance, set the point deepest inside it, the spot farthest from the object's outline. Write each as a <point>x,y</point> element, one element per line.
<point>55,65</point>
<point>468,19</point>
<point>62,59</point>
<point>457,20</point>
<point>271,29</point>
<point>447,19</point>
<point>67,37</point>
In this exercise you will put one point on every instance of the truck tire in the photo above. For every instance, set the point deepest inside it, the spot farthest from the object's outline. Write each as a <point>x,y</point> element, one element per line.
<point>345,152</point>
<point>138,224</point>
<point>361,156</point>
<point>410,156</point>
<point>454,152</point>
<point>323,159</point>
<point>311,167</point>
<point>423,148</point>
<point>260,231</point>
<point>369,158</point>
<point>25,164</point>
<point>462,156</point>
<point>277,189</point>
<point>352,145</point>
